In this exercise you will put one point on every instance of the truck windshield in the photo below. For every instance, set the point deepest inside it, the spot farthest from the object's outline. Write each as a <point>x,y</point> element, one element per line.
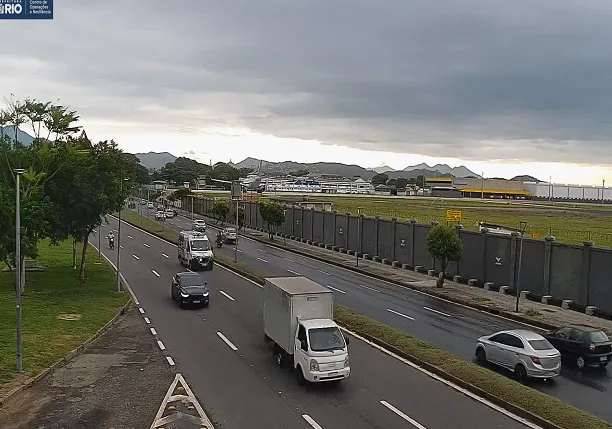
<point>200,245</point>
<point>324,339</point>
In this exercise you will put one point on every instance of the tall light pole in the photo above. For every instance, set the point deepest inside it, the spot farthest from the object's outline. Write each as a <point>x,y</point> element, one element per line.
<point>237,229</point>
<point>358,234</point>
<point>520,264</point>
<point>18,173</point>
<point>192,210</point>
<point>119,238</point>
<point>99,243</point>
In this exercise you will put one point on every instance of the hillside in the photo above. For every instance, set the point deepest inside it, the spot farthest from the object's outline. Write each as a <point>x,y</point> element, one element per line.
<point>23,137</point>
<point>285,167</point>
<point>525,178</point>
<point>444,169</point>
<point>155,160</point>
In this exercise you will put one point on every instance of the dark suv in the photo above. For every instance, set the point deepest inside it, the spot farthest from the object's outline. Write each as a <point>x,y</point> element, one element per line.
<point>585,345</point>
<point>189,289</point>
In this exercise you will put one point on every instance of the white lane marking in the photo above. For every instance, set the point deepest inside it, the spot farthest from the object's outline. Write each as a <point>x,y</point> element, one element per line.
<point>376,346</point>
<point>368,287</point>
<point>228,342</point>
<point>165,256</point>
<point>262,260</point>
<point>290,260</point>
<point>436,311</point>
<point>403,415</point>
<point>136,257</point>
<point>170,360</point>
<point>261,250</point>
<point>445,382</point>
<point>399,314</point>
<point>226,295</point>
<point>155,273</point>
<point>153,331</point>
<point>123,280</point>
<point>170,223</point>
<point>146,245</point>
<point>294,272</point>
<point>337,290</point>
<point>323,272</point>
<point>311,421</point>
<point>161,345</point>
<point>121,246</point>
<point>141,310</point>
<point>147,320</point>
<point>239,251</point>
<point>130,237</point>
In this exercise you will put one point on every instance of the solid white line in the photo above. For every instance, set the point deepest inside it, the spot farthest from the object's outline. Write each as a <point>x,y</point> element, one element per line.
<point>337,290</point>
<point>161,345</point>
<point>262,260</point>
<point>436,311</point>
<point>228,342</point>
<point>446,382</point>
<point>402,415</point>
<point>141,310</point>
<point>311,421</point>
<point>130,237</point>
<point>155,272</point>
<point>226,295</point>
<point>146,245</point>
<point>153,331</point>
<point>294,272</point>
<point>399,314</point>
<point>170,360</point>
<point>147,320</point>
<point>323,272</point>
<point>136,257</point>
<point>368,287</point>
<point>165,256</point>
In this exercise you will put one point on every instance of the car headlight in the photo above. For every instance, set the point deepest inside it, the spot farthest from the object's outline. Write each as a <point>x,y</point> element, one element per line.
<point>205,294</point>
<point>346,361</point>
<point>314,365</point>
<point>184,295</point>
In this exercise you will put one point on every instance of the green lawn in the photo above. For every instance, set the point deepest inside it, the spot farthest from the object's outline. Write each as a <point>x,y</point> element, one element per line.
<point>50,297</point>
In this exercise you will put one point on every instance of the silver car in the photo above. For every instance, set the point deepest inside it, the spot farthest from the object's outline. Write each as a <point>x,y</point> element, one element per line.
<point>523,352</point>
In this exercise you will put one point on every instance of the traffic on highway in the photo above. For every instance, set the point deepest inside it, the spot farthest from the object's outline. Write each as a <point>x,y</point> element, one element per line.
<point>220,349</point>
<point>446,325</point>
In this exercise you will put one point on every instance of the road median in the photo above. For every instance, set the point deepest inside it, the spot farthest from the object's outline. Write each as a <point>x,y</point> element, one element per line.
<point>539,408</point>
<point>59,317</point>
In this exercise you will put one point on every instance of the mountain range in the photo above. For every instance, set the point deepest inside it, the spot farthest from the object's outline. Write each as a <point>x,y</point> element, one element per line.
<point>22,137</point>
<point>155,160</point>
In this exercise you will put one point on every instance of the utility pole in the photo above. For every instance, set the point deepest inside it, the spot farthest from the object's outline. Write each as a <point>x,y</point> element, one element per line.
<point>520,264</point>
<point>119,238</point>
<point>550,189</point>
<point>192,219</point>
<point>18,173</point>
<point>603,188</point>
<point>237,229</point>
<point>99,243</point>
<point>358,234</point>
<point>482,186</point>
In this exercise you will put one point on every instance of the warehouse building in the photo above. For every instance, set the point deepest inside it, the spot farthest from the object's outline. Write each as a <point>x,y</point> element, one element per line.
<point>476,188</point>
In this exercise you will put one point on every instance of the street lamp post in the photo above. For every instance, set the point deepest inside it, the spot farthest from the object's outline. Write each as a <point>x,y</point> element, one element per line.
<point>285,234</point>
<point>520,263</point>
<point>18,173</point>
<point>99,243</point>
<point>192,210</point>
<point>119,239</point>
<point>358,234</point>
<point>237,229</point>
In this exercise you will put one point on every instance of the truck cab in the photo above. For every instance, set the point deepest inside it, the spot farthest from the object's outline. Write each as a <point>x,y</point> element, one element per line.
<point>195,250</point>
<point>321,351</point>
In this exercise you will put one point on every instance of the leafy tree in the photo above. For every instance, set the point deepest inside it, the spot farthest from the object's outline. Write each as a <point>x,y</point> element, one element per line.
<point>444,244</point>
<point>380,179</point>
<point>273,215</point>
<point>401,183</point>
<point>299,173</point>
<point>220,210</point>
<point>181,193</point>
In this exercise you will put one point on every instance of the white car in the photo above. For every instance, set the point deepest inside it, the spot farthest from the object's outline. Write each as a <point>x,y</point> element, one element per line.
<point>160,215</point>
<point>169,214</point>
<point>150,205</point>
<point>229,235</point>
<point>199,225</point>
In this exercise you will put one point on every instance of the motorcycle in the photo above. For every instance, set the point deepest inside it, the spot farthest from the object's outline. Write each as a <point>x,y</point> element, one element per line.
<point>219,242</point>
<point>111,243</point>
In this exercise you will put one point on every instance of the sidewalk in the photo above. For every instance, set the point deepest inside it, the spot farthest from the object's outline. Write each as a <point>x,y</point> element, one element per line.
<point>119,381</point>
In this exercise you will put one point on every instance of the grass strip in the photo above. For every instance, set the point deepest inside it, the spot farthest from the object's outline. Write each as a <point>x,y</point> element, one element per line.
<point>496,385</point>
<point>58,313</point>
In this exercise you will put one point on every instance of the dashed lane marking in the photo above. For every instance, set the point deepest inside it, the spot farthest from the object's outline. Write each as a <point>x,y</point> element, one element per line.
<point>399,314</point>
<point>155,273</point>
<point>226,295</point>
<point>153,331</point>
<point>161,345</point>
<point>337,290</point>
<point>263,260</point>
<point>403,415</point>
<point>226,341</point>
<point>136,257</point>
<point>165,256</point>
<point>437,311</point>
<point>146,245</point>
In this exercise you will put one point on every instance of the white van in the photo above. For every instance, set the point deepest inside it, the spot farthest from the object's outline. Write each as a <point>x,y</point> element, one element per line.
<point>195,251</point>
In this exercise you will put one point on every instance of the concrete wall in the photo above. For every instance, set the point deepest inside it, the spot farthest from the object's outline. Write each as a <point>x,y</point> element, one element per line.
<point>578,273</point>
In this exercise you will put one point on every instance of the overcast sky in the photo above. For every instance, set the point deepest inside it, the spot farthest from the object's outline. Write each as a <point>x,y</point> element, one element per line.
<point>498,86</point>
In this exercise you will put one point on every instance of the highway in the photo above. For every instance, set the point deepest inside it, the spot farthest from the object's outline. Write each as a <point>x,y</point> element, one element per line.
<point>445,325</point>
<point>221,352</point>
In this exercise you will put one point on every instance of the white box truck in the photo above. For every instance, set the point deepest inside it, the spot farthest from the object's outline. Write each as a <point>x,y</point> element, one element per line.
<point>298,317</point>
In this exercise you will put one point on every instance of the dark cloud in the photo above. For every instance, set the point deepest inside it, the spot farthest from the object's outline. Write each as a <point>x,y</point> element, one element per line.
<point>525,80</point>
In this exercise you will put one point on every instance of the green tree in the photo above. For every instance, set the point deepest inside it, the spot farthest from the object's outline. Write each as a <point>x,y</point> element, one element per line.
<point>181,193</point>
<point>444,245</point>
<point>220,210</point>
<point>273,215</point>
<point>380,179</point>
<point>401,183</point>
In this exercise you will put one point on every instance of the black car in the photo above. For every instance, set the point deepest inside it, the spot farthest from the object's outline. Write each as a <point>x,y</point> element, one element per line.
<point>188,288</point>
<point>585,345</point>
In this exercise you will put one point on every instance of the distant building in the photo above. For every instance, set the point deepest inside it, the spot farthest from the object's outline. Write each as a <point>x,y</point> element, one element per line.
<point>160,185</point>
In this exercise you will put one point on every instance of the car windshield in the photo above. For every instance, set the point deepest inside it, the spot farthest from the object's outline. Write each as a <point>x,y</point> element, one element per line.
<point>541,345</point>
<point>598,337</point>
<point>192,281</point>
<point>231,230</point>
<point>324,339</point>
<point>199,222</point>
<point>200,245</point>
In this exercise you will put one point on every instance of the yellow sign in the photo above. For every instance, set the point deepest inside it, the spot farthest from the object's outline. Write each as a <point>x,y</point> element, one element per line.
<point>453,215</point>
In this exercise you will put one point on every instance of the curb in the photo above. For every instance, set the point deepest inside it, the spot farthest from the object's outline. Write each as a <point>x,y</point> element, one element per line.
<point>35,380</point>
<point>545,424</point>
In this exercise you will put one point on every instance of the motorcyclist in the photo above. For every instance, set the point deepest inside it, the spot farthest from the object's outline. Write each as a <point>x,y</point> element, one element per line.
<point>111,240</point>
<point>219,238</point>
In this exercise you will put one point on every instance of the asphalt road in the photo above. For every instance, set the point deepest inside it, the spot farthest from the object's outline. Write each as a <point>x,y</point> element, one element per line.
<point>448,326</point>
<point>221,352</point>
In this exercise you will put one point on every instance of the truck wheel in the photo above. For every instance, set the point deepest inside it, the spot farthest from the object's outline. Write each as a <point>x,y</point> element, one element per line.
<point>300,376</point>
<point>279,359</point>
